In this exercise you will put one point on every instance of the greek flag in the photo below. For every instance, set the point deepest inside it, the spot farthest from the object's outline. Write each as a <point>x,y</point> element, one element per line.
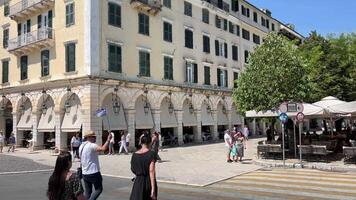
<point>101,112</point>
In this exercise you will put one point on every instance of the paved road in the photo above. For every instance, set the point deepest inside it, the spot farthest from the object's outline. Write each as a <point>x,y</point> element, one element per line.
<point>10,163</point>
<point>270,185</point>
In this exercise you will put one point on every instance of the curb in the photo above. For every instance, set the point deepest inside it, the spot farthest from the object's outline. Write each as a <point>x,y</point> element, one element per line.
<point>306,166</point>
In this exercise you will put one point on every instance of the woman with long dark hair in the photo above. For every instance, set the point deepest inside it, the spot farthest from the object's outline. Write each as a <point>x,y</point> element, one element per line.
<point>143,166</point>
<point>63,184</point>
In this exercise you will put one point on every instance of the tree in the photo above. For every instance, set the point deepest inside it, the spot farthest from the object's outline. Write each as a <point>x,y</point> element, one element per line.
<point>275,73</point>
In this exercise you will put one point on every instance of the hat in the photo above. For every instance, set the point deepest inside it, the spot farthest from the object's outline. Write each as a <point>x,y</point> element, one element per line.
<point>89,134</point>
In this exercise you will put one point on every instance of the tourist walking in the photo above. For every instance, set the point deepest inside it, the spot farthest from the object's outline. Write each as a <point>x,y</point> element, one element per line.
<point>89,161</point>
<point>246,132</point>
<point>143,166</point>
<point>123,143</point>
<point>75,143</point>
<point>155,144</point>
<point>160,141</point>
<point>128,136</point>
<point>240,141</point>
<point>228,145</point>
<point>64,184</point>
<point>12,143</point>
<point>111,144</point>
<point>233,153</point>
<point>2,141</point>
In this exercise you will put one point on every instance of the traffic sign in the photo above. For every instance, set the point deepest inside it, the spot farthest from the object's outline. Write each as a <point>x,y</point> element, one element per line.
<point>287,107</point>
<point>283,117</point>
<point>300,117</point>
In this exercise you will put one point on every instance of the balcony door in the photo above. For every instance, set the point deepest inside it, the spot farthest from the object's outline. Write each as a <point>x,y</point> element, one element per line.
<point>44,26</point>
<point>24,31</point>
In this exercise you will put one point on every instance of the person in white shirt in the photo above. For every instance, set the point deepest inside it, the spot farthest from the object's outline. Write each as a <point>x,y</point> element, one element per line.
<point>89,160</point>
<point>111,144</point>
<point>128,136</point>
<point>2,141</point>
<point>75,143</point>
<point>123,143</point>
<point>228,145</point>
<point>246,132</point>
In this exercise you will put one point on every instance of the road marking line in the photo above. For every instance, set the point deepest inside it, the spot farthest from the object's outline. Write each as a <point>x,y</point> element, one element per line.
<point>26,172</point>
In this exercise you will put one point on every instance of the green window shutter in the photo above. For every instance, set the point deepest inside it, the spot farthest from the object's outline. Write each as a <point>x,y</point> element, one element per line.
<point>5,39</point>
<point>45,63</point>
<point>226,50</point>
<point>195,73</point>
<point>24,64</point>
<point>5,71</point>
<point>217,51</point>
<point>70,57</point>
<point>118,15</point>
<point>39,21</point>
<point>226,79</point>
<point>50,18</point>
<point>218,71</point>
<point>28,26</point>
<point>207,75</point>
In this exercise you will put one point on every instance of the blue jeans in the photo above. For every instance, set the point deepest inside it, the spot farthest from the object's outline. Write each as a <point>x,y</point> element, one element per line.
<point>90,180</point>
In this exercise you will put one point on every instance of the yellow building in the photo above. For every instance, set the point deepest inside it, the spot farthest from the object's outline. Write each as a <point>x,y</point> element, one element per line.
<point>164,65</point>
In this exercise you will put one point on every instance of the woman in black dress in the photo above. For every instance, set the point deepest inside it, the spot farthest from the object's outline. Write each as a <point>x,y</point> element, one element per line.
<point>143,166</point>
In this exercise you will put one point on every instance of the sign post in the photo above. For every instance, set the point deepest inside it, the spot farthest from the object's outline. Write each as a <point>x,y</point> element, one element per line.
<point>300,118</point>
<point>283,117</point>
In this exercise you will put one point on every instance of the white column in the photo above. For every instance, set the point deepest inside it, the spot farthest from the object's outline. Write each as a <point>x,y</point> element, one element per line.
<point>254,127</point>
<point>179,115</point>
<point>263,128</point>
<point>214,132</point>
<point>60,138</point>
<point>17,134</point>
<point>131,128</point>
<point>157,120</point>
<point>37,138</point>
<point>197,130</point>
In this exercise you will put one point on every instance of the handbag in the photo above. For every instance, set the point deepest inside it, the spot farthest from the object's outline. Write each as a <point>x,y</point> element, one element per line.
<point>79,169</point>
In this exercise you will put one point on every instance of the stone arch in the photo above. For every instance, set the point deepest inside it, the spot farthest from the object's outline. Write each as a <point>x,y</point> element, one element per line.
<point>23,100</point>
<point>6,103</point>
<point>165,97</point>
<point>215,100</point>
<point>69,96</point>
<point>44,99</point>
<point>109,91</point>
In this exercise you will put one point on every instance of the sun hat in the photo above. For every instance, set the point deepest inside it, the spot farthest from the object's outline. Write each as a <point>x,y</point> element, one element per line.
<point>89,134</point>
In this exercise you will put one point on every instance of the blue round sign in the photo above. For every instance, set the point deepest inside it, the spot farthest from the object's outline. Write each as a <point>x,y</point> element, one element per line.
<point>283,117</point>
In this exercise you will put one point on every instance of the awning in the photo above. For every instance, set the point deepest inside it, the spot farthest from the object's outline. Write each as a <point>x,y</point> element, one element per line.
<point>189,119</point>
<point>72,121</point>
<point>344,108</point>
<point>222,118</point>
<point>168,120</point>
<point>206,118</point>
<point>47,122</point>
<point>25,122</point>
<point>114,121</point>
<point>235,117</point>
<point>143,120</point>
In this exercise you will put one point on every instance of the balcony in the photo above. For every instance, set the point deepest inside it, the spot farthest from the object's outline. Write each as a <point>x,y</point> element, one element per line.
<point>219,4</point>
<point>31,41</point>
<point>28,8</point>
<point>149,6</point>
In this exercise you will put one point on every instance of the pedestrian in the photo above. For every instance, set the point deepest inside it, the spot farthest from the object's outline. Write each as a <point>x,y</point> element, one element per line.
<point>143,166</point>
<point>89,160</point>
<point>155,144</point>
<point>233,153</point>
<point>160,141</point>
<point>123,143</point>
<point>228,145</point>
<point>75,143</point>
<point>12,143</point>
<point>2,141</point>
<point>240,145</point>
<point>63,184</point>
<point>111,144</point>
<point>128,136</point>
<point>246,132</point>
<point>269,135</point>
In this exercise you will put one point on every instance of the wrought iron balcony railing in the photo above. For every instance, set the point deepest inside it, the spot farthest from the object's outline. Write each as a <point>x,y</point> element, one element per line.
<point>149,6</point>
<point>28,8</point>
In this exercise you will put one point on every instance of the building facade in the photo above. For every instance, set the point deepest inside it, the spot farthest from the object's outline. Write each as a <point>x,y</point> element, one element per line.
<point>68,66</point>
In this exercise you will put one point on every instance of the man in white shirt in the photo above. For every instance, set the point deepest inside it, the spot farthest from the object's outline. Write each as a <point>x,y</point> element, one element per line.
<point>246,132</point>
<point>128,136</point>
<point>89,160</point>
<point>228,145</point>
<point>111,144</point>
<point>2,141</point>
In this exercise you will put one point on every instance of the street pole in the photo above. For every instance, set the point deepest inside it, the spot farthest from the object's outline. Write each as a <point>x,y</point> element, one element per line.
<point>295,139</point>
<point>284,160</point>
<point>300,142</point>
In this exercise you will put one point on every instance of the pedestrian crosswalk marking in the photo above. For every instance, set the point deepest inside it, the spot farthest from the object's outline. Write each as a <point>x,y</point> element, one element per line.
<point>335,174</point>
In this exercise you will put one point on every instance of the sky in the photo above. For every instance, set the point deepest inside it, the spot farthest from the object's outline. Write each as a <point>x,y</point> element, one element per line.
<point>324,16</point>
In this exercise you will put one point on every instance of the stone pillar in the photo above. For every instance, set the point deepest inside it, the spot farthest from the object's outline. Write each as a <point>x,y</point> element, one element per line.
<point>228,114</point>
<point>157,120</point>
<point>179,129</point>
<point>197,130</point>
<point>214,132</point>
<point>254,127</point>
<point>131,128</point>
<point>17,134</point>
<point>37,138</point>
<point>60,138</point>
<point>263,128</point>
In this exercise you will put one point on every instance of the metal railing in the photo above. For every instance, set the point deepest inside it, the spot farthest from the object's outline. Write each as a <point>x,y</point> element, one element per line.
<point>153,3</point>
<point>224,6</point>
<point>23,5</point>
<point>30,38</point>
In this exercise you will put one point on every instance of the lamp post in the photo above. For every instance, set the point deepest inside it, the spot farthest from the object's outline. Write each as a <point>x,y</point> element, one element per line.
<point>170,107</point>
<point>67,105</point>
<point>44,106</point>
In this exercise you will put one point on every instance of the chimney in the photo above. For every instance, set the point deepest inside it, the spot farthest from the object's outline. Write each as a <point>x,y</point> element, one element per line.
<point>267,12</point>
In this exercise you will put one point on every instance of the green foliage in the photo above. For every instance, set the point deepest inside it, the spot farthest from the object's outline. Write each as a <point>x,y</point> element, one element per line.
<point>275,73</point>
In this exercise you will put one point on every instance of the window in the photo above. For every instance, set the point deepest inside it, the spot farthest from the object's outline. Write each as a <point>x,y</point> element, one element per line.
<point>187,8</point>
<point>256,39</point>
<point>217,22</point>
<point>6,8</point>
<point>205,15</point>
<point>167,32</point>
<point>70,57</point>
<point>168,68</point>
<point>245,11</point>
<point>231,27</point>
<point>167,3</point>
<point>273,27</point>
<point>206,44</point>
<point>45,63</point>
<point>237,30</point>
<point>188,38</point>
<point>5,71</point>
<point>144,63</point>
<point>206,75</point>
<point>5,38</point>
<point>267,23</point>
<point>236,77</point>
<point>221,77</point>
<point>235,5</point>
<point>220,48</point>
<point>143,24</point>
<point>255,17</point>
<point>245,34</point>
<point>191,72</point>
<point>246,56</point>
<point>263,21</point>
<point>114,58</point>
<point>235,53</point>
<point>70,14</point>
<point>24,65</point>
<point>225,24</point>
<point>114,11</point>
